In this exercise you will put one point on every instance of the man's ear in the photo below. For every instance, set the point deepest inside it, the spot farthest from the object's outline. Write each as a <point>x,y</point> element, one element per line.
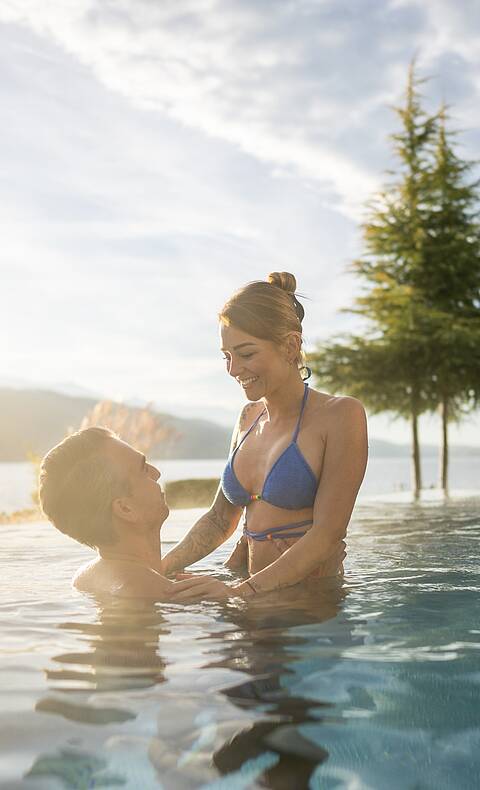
<point>122,509</point>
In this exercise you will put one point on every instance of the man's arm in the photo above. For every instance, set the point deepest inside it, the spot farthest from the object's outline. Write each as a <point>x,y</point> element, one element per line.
<point>209,532</point>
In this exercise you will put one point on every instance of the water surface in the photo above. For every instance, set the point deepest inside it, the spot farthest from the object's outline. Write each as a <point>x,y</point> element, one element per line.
<point>369,684</point>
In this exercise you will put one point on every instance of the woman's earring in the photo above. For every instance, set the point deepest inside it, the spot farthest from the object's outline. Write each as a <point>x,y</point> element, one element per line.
<point>308,372</point>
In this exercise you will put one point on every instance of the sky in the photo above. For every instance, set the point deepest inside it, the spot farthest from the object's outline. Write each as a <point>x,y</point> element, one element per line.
<point>156,156</point>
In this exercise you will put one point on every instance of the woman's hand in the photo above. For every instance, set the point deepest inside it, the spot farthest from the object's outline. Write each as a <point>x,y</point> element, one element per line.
<point>329,567</point>
<point>238,559</point>
<point>332,565</point>
<point>193,587</point>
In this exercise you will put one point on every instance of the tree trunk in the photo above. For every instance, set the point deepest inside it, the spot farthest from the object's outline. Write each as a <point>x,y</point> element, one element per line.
<point>416,466</point>
<point>444,447</point>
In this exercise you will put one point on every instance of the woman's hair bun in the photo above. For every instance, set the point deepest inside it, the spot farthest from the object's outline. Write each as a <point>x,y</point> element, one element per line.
<point>283,280</point>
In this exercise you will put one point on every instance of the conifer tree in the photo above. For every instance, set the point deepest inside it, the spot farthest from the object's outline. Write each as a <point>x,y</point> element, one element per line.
<point>449,280</point>
<point>421,297</point>
<point>394,238</point>
<point>388,371</point>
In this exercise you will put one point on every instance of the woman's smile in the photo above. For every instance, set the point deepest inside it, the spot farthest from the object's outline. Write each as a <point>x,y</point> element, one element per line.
<point>247,382</point>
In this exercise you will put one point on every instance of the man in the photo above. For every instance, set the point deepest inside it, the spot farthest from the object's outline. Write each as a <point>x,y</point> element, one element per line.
<point>103,493</point>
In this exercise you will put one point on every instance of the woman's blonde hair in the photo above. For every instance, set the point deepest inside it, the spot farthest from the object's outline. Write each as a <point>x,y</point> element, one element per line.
<point>267,309</point>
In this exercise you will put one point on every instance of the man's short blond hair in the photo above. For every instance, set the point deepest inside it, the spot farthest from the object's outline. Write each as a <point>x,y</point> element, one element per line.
<point>77,485</point>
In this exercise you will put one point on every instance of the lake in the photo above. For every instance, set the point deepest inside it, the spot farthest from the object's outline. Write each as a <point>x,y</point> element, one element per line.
<point>363,685</point>
<point>384,476</point>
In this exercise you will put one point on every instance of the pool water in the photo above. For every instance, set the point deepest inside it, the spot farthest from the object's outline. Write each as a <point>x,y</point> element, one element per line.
<point>373,683</point>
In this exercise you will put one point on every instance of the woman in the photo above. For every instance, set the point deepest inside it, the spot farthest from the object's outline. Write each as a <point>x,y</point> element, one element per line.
<point>297,458</point>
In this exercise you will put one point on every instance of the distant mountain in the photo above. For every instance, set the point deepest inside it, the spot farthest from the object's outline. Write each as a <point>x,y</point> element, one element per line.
<point>62,387</point>
<point>32,421</point>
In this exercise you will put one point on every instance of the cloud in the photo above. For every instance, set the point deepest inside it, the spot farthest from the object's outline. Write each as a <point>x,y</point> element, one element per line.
<point>449,27</point>
<point>302,86</point>
<point>157,155</point>
<point>273,79</point>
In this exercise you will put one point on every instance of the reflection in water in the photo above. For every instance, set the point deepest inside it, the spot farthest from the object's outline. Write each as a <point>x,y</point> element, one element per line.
<point>372,687</point>
<point>262,742</point>
<point>296,757</point>
<point>246,732</point>
<point>117,654</point>
<point>124,645</point>
<point>75,770</point>
<point>120,652</point>
<point>81,712</point>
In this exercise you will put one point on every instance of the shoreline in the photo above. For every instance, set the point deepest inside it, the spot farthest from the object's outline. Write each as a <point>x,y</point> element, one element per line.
<point>198,494</point>
<point>180,495</point>
<point>25,515</point>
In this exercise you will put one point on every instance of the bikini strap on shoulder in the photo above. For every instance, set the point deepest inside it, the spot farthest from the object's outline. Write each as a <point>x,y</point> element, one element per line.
<point>297,429</point>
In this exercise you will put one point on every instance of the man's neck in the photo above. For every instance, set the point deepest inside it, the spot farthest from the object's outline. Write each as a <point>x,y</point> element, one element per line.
<point>143,549</point>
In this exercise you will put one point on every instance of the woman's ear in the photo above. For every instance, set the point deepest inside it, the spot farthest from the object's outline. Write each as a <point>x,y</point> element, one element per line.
<point>293,345</point>
<point>122,509</point>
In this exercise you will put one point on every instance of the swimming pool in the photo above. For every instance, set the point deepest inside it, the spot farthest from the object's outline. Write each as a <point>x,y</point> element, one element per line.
<point>374,684</point>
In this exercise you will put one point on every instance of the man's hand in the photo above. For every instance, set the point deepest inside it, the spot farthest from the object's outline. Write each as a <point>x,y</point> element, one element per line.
<point>193,587</point>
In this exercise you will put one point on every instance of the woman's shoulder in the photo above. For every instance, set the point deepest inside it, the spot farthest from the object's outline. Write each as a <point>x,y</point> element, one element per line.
<point>246,418</point>
<point>336,407</point>
<point>249,413</point>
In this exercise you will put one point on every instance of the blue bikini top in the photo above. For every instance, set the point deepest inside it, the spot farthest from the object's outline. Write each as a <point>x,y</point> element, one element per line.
<point>290,483</point>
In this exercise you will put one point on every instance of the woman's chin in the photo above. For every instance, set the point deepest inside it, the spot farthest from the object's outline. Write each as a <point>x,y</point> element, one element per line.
<point>253,396</point>
<point>253,392</point>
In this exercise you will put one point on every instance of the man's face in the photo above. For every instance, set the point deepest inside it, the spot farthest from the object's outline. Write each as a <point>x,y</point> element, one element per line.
<point>145,496</point>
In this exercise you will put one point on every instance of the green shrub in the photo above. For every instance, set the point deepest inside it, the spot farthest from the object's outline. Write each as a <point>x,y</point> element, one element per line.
<point>191,493</point>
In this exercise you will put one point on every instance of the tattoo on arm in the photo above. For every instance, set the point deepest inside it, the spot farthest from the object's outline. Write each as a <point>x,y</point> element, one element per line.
<point>217,525</point>
<point>250,411</point>
<point>207,533</point>
<point>244,422</point>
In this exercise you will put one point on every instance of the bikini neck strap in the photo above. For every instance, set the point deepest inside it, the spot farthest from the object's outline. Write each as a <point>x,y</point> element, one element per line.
<point>297,429</point>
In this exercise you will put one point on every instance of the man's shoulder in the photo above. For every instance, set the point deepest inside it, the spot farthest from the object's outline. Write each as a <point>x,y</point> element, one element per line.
<point>85,575</point>
<point>137,581</point>
<point>123,579</point>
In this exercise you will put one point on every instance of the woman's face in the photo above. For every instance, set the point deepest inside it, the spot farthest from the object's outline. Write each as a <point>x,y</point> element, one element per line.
<point>259,366</point>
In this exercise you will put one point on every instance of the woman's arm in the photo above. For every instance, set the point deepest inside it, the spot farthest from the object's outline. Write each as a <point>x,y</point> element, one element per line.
<point>209,532</point>
<point>342,473</point>
<point>212,529</point>
<point>148,584</point>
